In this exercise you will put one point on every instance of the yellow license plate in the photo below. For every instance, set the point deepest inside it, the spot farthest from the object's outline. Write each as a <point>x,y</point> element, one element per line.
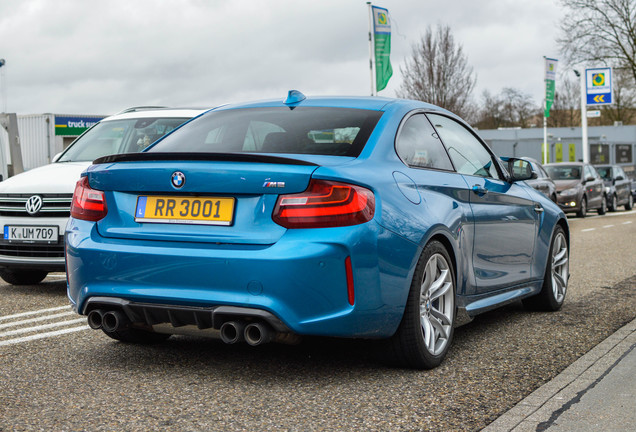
<point>185,210</point>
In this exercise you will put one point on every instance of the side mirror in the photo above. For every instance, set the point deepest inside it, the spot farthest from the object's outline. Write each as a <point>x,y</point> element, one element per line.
<point>589,179</point>
<point>520,169</point>
<point>619,178</point>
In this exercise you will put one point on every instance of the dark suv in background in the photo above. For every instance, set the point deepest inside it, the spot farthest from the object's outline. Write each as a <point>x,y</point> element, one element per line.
<point>579,187</point>
<point>617,187</point>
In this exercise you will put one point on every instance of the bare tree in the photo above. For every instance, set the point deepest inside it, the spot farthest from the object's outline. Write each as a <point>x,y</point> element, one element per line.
<point>602,31</point>
<point>566,110</point>
<point>510,108</point>
<point>622,108</point>
<point>438,72</point>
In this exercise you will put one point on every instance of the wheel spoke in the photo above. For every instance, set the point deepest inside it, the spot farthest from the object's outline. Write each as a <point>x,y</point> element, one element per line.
<point>561,258</point>
<point>429,337</point>
<point>560,281</point>
<point>445,320</point>
<point>440,286</point>
<point>440,328</point>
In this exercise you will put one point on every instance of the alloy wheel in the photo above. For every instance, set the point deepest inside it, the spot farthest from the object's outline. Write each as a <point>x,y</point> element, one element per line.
<point>560,267</point>
<point>437,304</point>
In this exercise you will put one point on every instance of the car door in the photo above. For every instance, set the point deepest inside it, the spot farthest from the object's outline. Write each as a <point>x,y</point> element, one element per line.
<point>594,186</point>
<point>622,184</point>
<point>505,217</point>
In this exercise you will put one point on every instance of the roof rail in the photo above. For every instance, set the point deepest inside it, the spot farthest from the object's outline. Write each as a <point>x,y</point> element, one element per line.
<point>140,108</point>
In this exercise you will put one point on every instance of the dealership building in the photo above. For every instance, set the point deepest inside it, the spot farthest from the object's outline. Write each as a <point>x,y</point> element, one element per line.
<point>606,144</point>
<point>42,136</point>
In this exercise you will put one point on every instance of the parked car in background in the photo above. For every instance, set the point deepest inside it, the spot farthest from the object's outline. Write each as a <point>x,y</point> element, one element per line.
<point>343,217</point>
<point>579,187</point>
<point>35,205</point>
<point>543,183</point>
<point>618,187</point>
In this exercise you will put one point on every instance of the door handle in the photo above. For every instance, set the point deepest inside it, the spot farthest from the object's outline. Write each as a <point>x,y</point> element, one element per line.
<point>538,208</point>
<point>480,190</point>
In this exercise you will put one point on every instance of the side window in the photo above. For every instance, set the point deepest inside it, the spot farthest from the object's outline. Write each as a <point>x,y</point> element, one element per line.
<point>468,154</point>
<point>419,146</point>
<point>587,170</point>
<point>620,172</point>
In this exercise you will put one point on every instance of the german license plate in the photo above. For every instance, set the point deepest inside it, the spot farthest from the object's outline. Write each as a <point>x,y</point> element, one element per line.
<point>185,210</point>
<point>31,233</point>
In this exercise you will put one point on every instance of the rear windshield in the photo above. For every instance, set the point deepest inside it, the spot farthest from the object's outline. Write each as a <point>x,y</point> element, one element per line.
<point>119,136</point>
<point>302,130</point>
<point>564,172</point>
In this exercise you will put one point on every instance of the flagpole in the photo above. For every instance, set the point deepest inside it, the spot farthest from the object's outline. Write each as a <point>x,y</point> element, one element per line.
<point>545,135</point>
<point>371,48</point>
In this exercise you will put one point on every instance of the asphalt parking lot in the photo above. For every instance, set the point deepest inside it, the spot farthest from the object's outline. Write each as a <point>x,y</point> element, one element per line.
<point>63,376</point>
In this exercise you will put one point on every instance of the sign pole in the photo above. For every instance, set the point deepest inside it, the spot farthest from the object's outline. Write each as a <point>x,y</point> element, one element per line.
<point>371,48</point>
<point>586,150</point>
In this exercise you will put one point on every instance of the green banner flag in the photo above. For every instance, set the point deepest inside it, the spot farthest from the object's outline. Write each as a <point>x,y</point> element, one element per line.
<point>382,38</point>
<point>550,79</point>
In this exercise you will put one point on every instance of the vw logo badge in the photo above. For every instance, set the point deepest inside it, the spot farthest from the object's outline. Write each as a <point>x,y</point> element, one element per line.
<point>33,205</point>
<point>178,179</point>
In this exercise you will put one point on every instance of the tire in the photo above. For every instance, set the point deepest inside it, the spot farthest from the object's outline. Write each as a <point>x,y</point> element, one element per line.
<point>613,204</point>
<point>582,208</point>
<point>630,203</point>
<point>555,281</point>
<point>136,336</point>
<point>23,277</point>
<point>426,330</point>
<point>603,208</point>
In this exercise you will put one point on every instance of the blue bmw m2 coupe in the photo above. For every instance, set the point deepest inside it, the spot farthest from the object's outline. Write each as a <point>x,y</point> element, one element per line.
<point>344,217</point>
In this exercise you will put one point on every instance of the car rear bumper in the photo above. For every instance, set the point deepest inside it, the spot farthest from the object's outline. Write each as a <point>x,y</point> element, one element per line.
<point>301,279</point>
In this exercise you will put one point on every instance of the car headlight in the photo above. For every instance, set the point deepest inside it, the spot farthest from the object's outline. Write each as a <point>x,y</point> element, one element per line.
<point>569,192</point>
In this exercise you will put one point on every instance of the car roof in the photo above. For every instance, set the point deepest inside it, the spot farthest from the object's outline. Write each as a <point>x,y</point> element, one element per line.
<point>356,102</point>
<point>157,112</point>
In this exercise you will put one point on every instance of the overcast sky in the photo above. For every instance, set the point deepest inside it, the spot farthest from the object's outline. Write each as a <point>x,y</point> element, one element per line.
<point>98,57</point>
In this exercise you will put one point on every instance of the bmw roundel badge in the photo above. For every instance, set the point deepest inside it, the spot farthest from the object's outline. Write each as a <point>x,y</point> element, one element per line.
<point>178,179</point>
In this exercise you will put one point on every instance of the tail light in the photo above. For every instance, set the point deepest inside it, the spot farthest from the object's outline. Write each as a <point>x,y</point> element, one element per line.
<point>325,204</point>
<point>88,204</point>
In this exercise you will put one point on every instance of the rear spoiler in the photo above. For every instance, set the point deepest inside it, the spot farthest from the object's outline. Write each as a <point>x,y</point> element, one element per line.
<point>216,157</point>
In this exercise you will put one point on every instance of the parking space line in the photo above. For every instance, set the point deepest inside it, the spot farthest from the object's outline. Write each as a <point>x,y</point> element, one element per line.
<point>607,226</point>
<point>588,229</point>
<point>627,222</point>
<point>31,320</point>
<point>33,312</point>
<point>43,335</point>
<point>42,327</point>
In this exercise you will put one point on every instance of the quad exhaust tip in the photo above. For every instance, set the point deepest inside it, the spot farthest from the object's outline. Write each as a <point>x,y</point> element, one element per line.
<point>109,321</point>
<point>232,332</point>
<point>95,319</point>
<point>258,334</point>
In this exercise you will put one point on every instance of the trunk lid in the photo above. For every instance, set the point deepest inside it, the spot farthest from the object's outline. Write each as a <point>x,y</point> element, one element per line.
<point>135,185</point>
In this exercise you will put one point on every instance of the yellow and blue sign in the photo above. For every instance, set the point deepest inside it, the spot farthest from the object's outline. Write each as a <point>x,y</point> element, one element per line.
<point>598,84</point>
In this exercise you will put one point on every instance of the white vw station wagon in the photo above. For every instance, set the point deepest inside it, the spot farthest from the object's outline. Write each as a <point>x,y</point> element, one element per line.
<point>35,205</point>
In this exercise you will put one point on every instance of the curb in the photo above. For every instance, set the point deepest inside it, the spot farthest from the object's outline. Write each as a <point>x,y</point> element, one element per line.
<point>539,410</point>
